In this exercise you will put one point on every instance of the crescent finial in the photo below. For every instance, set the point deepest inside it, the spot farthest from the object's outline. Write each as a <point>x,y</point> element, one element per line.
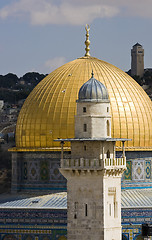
<point>87,27</point>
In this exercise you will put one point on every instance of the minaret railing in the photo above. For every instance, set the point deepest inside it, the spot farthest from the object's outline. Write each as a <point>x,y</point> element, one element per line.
<point>93,163</point>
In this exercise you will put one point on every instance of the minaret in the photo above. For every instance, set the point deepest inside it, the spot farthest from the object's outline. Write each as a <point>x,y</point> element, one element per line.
<point>137,60</point>
<point>93,173</point>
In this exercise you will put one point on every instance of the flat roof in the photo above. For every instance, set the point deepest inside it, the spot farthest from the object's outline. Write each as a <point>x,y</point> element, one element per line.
<point>130,198</point>
<point>91,139</point>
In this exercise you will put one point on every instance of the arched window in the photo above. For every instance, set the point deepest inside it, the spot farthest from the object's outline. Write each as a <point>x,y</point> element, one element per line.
<point>75,210</point>
<point>85,127</point>
<point>108,154</point>
<point>86,210</point>
<point>84,109</point>
<point>108,128</point>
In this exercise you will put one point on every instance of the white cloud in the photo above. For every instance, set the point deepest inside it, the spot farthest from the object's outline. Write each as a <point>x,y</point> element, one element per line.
<point>75,12</point>
<point>82,14</point>
<point>42,12</point>
<point>134,8</point>
<point>53,63</point>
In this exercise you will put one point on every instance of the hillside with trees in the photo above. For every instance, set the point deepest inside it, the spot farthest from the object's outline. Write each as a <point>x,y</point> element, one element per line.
<point>145,82</point>
<point>13,89</point>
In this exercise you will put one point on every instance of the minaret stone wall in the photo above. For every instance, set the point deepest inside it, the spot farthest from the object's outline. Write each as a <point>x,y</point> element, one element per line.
<point>89,116</point>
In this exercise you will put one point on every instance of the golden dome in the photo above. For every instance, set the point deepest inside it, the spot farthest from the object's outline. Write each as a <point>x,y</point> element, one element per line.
<point>48,112</point>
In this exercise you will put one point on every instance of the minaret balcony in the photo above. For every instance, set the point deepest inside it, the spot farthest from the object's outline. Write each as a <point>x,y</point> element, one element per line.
<point>93,164</point>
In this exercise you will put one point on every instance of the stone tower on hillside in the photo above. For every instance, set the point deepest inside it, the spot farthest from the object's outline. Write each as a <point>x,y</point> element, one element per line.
<point>93,173</point>
<point>137,60</point>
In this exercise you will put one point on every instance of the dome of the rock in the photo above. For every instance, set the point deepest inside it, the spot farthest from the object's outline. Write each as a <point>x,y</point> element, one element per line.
<point>48,112</point>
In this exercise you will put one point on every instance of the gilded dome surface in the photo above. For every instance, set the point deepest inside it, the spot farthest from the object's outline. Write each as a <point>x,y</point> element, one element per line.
<point>93,90</point>
<point>48,112</point>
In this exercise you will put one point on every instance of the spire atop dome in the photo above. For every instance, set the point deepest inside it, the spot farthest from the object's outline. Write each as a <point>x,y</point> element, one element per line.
<point>87,42</point>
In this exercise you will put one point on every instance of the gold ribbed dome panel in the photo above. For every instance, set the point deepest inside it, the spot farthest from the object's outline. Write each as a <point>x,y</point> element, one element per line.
<point>48,112</point>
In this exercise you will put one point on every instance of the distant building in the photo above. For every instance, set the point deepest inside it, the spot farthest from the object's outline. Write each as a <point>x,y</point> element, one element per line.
<point>137,60</point>
<point>22,82</point>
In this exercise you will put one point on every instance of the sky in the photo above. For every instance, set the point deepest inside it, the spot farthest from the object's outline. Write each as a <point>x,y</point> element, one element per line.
<point>41,35</point>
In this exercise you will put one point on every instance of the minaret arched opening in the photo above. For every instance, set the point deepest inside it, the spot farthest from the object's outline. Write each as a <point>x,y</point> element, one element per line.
<point>108,128</point>
<point>108,154</point>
